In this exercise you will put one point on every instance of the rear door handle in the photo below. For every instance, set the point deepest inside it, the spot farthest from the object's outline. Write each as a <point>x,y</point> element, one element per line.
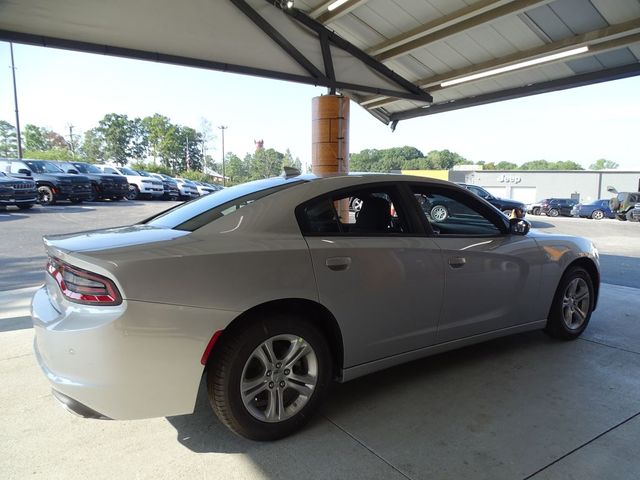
<point>457,262</point>
<point>338,263</point>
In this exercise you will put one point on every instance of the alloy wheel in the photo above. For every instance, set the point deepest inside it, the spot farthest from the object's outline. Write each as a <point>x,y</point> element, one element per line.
<point>575,303</point>
<point>597,215</point>
<point>439,213</point>
<point>279,378</point>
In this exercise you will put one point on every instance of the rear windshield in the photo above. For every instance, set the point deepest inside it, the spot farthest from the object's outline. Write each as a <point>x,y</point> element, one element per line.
<point>204,210</point>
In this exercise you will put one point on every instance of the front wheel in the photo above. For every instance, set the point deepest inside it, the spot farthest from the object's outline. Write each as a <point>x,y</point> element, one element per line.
<point>134,192</point>
<point>46,196</point>
<point>535,211</point>
<point>572,305</point>
<point>266,380</point>
<point>439,213</point>
<point>597,215</point>
<point>553,212</point>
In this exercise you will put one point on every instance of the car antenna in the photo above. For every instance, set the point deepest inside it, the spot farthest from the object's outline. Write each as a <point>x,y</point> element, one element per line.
<point>290,172</point>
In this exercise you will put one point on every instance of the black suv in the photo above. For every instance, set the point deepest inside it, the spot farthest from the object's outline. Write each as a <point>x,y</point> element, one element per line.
<point>17,192</point>
<point>553,207</point>
<point>502,204</point>
<point>51,181</point>
<point>103,185</point>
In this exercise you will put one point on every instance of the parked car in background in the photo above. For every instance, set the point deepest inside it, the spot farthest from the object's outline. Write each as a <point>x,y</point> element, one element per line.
<point>170,186</point>
<point>187,188</point>
<point>503,204</point>
<point>17,192</point>
<point>204,189</point>
<point>623,203</point>
<point>598,209</point>
<point>558,206</point>
<point>103,185</point>
<point>266,290</point>
<point>52,183</point>
<point>139,185</point>
<point>635,213</point>
<point>536,208</point>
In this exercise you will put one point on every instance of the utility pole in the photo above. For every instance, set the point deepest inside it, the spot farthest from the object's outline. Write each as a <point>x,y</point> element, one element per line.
<point>15,100</point>
<point>71,144</point>
<point>188,160</point>
<point>224,177</point>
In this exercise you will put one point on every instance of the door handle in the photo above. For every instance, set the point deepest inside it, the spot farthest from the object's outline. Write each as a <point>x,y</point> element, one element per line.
<point>457,262</point>
<point>338,264</point>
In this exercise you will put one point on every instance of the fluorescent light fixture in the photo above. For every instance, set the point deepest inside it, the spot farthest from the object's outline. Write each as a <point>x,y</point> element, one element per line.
<point>515,66</point>
<point>336,4</point>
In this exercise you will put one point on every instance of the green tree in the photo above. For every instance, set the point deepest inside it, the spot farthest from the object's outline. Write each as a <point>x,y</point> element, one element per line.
<point>92,148</point>
<point>445,159</point>
<point>265,163</point>
<point>35,138</point>
<point>506,166</point>
<point>603,164</point>
<point>117,133</point>
<point>236,169</point>
<point>55,153</point>
<point>8,140</point>
<point>289,161</point>
<point>156,128</point>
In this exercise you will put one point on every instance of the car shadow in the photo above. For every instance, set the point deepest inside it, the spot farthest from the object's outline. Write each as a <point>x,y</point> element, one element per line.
<point>540,224</point>
<point>10,216</point>
<point>202,432</point>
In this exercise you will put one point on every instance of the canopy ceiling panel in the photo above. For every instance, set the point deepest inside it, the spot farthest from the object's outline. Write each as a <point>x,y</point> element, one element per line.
<point>399,59</point>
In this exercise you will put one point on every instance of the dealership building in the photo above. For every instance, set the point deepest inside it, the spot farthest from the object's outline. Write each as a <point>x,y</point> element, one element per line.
<point>529,186</point>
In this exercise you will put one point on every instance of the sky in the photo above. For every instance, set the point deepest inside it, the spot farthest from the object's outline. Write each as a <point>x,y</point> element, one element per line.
<point>57,88</point>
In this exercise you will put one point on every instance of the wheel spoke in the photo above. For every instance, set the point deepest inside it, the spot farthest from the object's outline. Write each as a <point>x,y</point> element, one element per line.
<point>303,384</point>
<point>581,315</point>
<point>582,296</point>
<point>573,286</point>
<point>299,349</point>
<point>251,387</point>
<point>262,357</point>
<point>275,408</point>
<point>267,348</point>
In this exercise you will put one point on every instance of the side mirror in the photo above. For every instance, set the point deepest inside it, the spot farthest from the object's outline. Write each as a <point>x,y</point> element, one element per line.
<point>518,226</point>
<point>24,171</point>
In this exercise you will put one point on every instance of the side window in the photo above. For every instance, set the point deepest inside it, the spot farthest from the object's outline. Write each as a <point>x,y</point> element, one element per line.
<point>358,212</point>
<point>479,192</point>
<point>452,213</point>
<point>14,167</point>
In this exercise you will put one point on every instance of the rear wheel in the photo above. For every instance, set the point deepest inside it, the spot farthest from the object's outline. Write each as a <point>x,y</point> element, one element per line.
<point>535,211</point>
<point>572,305</point>
<point>629,216</point>
<point>266,380</point>
<point>597,215</point>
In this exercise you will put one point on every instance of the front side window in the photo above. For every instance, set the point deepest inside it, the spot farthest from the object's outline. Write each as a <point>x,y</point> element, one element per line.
<point>449,212</point>
<point>481,192</point>
<point>356,212</point>
<point>44,167</point>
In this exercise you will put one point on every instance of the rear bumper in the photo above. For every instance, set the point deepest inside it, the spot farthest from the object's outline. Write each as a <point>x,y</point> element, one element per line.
<point>134,360</point>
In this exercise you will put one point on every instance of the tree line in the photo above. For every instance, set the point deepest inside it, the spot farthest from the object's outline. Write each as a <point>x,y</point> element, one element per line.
<point>156,143</point>
<point>410,158</point>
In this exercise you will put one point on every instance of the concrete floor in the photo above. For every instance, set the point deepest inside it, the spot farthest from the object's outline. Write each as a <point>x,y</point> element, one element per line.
<point>519,407</point>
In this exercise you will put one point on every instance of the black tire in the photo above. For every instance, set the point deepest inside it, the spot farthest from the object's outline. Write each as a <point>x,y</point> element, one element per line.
<point>597,214</point>
<point>233,358</point>
<point>553,212</point>
<point>557,323</point>
<point>134,192</point>
<point>95,195</point>
<point>535,211</point>
<point>46,196</point>
<point>629,216</point>
<point>26,207</point>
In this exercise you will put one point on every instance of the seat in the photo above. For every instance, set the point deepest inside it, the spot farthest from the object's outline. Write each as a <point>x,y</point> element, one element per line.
<point>374,216</point>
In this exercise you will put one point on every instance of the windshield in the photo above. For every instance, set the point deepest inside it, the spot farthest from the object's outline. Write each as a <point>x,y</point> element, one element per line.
<point>193,215</point>
<point>128,171</point>
<point>44,167</point>
<point>143,174</point>
<point>86,168</point>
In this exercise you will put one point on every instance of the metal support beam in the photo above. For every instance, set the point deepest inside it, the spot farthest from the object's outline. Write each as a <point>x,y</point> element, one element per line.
<point>278,38</point>
<point>608,38</point>
<point>328,60</point>
<point>356,52</point>
<point>100,49</point>
<point>513,93</point>
<point>461,20</point>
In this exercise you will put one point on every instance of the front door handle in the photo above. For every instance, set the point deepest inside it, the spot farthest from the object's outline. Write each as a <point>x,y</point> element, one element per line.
<point>338,264</point>
<point>457,262</point>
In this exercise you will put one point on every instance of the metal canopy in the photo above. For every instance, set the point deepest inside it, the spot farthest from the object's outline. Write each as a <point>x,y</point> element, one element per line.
<point>394,57</point>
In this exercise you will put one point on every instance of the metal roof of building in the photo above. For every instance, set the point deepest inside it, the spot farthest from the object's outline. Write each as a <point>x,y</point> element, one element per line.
<point>394,57</point>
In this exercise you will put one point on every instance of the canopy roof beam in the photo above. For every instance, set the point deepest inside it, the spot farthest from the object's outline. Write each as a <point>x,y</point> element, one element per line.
<point>608,38</point>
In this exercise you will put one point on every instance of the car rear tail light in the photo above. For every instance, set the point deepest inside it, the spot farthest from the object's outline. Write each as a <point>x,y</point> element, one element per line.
<point>81,286</point>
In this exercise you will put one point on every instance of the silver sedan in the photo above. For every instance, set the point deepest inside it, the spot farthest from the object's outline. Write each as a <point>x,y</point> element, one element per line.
<point>276,288</point>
